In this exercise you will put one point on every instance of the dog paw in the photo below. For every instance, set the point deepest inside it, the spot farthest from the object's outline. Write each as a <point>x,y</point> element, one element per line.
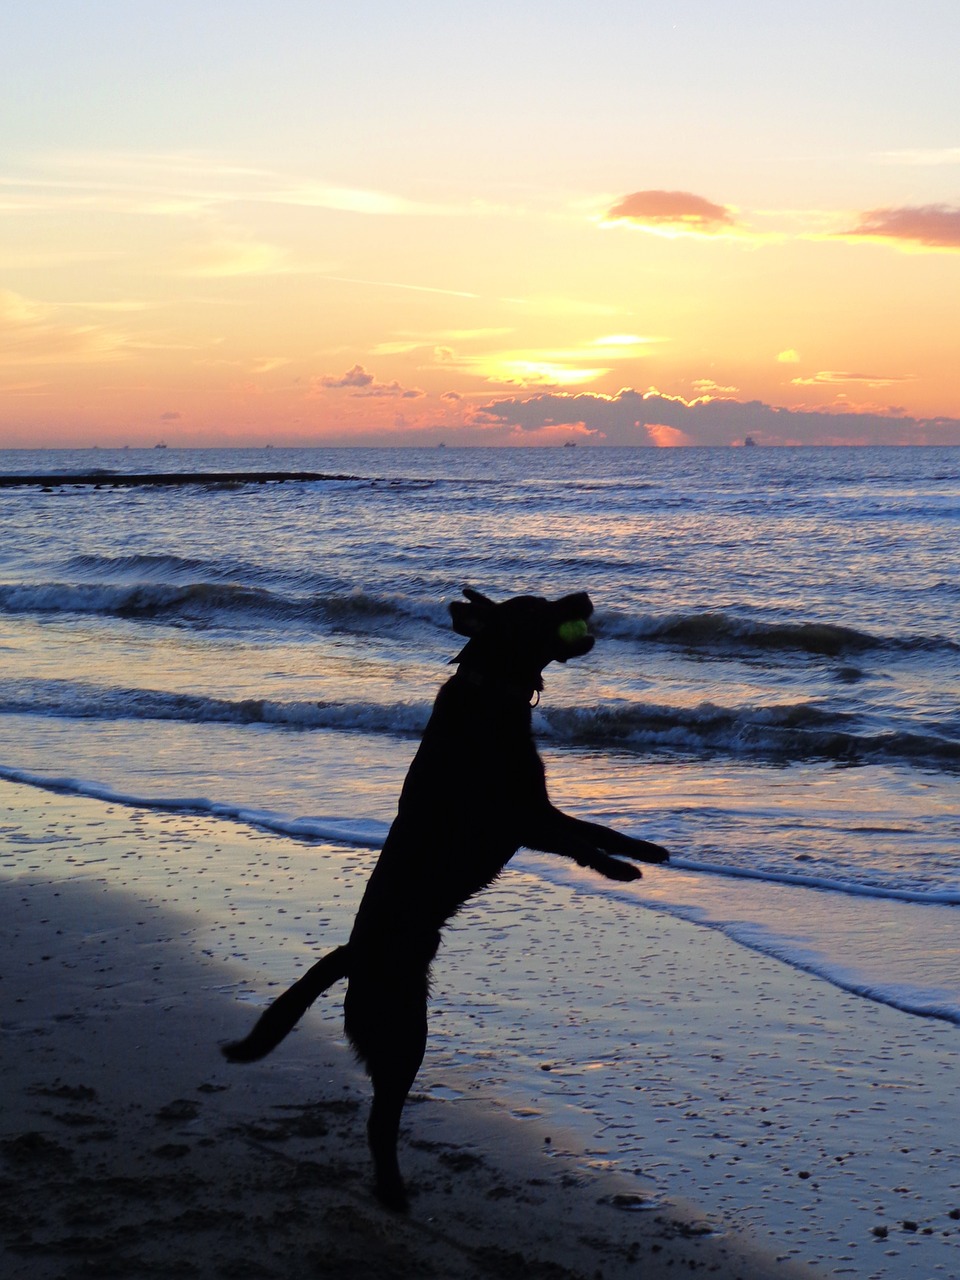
<point>618,870</point>
<point>392,1194</point>
<point>646,851</point>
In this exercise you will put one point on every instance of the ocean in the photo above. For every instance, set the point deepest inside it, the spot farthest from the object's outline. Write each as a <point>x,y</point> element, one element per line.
<point>773,694</point>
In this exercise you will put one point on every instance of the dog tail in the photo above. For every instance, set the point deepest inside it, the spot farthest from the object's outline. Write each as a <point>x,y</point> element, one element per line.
<point>279,1018</point>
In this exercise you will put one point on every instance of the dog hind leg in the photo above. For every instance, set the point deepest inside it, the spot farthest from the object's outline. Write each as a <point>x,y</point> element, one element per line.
<point>390,1090</point>
<point>389,1032</point>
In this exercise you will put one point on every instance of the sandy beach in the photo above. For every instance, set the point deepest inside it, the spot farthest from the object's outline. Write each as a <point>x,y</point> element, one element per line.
<point>134,942</point>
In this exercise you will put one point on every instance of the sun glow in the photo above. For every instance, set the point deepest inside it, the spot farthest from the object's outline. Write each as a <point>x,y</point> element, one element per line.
<point>222,253</point>
<point>542,372</point>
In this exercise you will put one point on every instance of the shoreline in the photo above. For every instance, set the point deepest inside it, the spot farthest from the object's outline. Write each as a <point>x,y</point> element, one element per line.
<point>163,935</point>
<point>128,1146</point>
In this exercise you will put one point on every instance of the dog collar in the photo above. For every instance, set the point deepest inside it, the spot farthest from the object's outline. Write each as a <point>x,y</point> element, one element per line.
<point>526,693</point>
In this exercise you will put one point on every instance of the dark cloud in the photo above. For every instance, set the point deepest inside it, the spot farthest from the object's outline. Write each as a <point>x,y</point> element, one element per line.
<point>679,209</point>
<point>364,384</point>
<point>387,389</point>
<point>171,416</point>
<point>355,377</point>
<point>935,226</point>
<point>638,418</point>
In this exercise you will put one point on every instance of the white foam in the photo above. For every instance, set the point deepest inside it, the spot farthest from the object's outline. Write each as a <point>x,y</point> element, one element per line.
<point>367,833</point>
<point>902,950</point>
<point>900,953</point>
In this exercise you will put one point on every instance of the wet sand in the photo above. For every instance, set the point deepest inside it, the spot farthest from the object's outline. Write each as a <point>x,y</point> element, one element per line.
<point>133,943</point>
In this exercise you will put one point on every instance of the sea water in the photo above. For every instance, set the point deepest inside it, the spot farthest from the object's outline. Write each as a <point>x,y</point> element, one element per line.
<point>773,694</point>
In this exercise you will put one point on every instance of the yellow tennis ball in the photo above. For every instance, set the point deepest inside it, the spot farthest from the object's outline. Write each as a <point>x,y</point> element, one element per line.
<point>570,632</point>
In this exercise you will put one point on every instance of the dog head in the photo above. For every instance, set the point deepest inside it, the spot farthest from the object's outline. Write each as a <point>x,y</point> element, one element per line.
<point>515,639</point>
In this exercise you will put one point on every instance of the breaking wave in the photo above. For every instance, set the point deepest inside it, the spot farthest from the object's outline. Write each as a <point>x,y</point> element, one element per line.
<point>203,602</point>
<point>75,700</point>
<point>184,590</point>
<point>800,731</point>
<point>726,631</point>
<point>797,731</point>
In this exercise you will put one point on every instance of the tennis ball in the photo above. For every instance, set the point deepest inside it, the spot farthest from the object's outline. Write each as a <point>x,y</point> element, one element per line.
<point>570,632</point>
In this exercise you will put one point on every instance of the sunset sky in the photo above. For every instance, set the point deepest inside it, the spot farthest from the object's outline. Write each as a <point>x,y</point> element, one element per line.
<point>628,222</point>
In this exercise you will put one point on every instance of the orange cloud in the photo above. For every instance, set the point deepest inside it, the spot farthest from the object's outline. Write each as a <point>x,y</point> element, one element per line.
<point>665,437</point>
<point>833,377</point>
<point>224,258</point>
<point>707,387</point>
<point>929,226</point>
<point>672,211</point>
<point>32,333</point>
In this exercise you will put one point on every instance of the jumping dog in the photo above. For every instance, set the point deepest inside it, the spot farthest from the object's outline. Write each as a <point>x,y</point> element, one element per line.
<point>474,794</point>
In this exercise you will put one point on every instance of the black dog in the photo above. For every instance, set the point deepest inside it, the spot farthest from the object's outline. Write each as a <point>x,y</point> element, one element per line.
<point>474,794</point>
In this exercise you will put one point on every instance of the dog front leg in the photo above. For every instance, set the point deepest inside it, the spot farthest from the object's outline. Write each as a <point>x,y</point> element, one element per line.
<point>563,837</point>
<point>606,838</point>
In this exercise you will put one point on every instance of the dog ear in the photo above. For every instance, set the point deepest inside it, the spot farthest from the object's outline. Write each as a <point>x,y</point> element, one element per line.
<point>470,619</point>
<point>477,597</point>
<point>467,620</point>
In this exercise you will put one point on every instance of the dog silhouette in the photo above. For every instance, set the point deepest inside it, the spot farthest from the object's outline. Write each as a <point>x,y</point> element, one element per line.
<point>474,794</point>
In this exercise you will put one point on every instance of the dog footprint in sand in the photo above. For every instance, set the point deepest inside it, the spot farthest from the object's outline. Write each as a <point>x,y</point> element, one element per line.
<point>180,1111</point>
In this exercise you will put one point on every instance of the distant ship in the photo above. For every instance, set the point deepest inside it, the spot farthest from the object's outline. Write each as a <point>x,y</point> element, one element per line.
<point>749,442</point>
<point>569,444</point>
<point>161,444</point>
